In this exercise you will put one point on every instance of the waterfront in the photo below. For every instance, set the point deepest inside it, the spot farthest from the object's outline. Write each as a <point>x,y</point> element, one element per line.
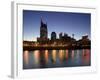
<point>52,41</point>
<point>56,58</point>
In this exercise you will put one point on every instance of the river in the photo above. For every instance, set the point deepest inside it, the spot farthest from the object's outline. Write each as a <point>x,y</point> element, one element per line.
<point>56,58</point>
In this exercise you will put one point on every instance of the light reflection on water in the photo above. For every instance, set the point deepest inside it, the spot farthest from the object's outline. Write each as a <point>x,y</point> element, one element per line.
<point>46,55</point>
<point>36,55</point>
<point>55,58</point>
<point>26,57</point>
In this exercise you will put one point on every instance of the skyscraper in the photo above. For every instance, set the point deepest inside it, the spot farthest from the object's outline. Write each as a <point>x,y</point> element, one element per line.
<point>43,33</point>
<point>53,36</point>
<point>60,35</point>
<point>43,30</point>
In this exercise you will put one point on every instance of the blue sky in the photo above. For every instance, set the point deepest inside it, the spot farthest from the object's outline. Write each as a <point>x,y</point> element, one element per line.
<point>66,22</point>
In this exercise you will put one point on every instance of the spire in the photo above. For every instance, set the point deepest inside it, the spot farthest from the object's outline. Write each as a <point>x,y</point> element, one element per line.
<point>41,21</point>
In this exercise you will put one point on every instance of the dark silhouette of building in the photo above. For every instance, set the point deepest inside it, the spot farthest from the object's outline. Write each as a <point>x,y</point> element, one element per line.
<point>60,35</point>
<point>53,36</point>
<point>43,33</point>
<point>84,41</point>
<point>43,30</point>
<point>85,37</point>
<point>65,35</point>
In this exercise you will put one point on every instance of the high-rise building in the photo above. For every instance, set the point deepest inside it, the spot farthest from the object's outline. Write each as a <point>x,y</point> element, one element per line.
<point>43,33</point>
<point>43,30</point>
<point>65,35</point>
<point>60,35</point>
<point>53,36</point>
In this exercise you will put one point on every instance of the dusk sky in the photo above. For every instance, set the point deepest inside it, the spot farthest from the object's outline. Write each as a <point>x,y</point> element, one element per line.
<point>66,22</point>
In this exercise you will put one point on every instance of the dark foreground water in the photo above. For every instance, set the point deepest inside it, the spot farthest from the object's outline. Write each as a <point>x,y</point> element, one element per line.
<point>56,58</point>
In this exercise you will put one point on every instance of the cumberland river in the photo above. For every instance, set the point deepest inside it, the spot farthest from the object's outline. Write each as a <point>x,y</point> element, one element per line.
<point>56,58</point>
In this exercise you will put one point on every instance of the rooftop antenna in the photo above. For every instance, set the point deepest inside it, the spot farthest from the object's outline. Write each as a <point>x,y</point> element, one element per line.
<point>41,20</point>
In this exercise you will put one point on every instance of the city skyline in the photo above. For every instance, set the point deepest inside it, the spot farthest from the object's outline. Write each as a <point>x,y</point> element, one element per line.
<point>66,22</point>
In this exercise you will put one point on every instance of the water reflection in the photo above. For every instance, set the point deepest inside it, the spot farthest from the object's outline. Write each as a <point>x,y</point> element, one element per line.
<point>55,58</point>
<point>26,57</point>
<point>66,55</point>
<point>36,55</point>
<point>61,55</point>
<point>72,55</point>
<point>46,56</point>
<point>86,56</point>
